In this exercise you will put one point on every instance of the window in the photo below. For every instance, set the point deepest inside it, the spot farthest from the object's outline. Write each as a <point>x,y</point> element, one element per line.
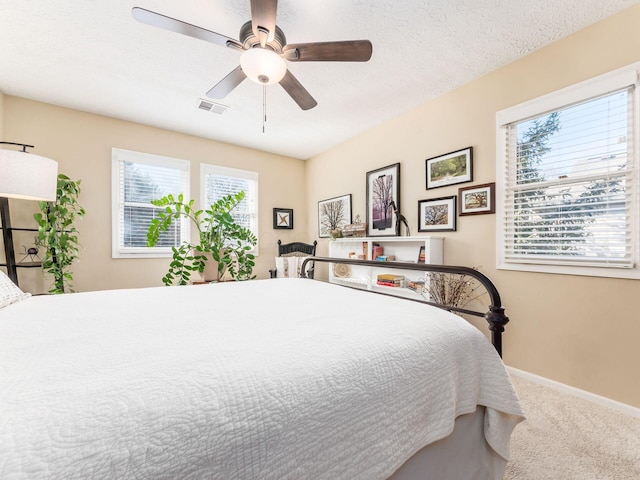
<point>568,180</point>
<point>136,179</point>
<point>216,182</point>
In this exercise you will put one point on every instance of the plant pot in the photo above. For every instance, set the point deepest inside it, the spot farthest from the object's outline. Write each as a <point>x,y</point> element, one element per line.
<point>210,273</point>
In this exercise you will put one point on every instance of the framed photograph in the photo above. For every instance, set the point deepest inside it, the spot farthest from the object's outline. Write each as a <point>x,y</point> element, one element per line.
<point>283,218</point>
<point>333,214</point>
<point>383,199</point>
<point>478,199</point>
<point>449,169</point>
<point>437,215</point>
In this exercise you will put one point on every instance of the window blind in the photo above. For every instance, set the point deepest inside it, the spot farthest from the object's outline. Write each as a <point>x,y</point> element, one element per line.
<point>217,182</point>
<point>569,179</point>
<point>141,178</point>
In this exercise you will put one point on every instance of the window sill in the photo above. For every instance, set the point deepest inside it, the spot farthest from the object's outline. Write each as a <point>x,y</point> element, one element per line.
<point>612,272</point>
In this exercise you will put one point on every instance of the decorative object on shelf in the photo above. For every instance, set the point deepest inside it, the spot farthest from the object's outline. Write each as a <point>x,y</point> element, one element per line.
<point>221,241</point>
<point>400,219</point>
<point>355,229</point>
<point>437,214</point>
<point>337,233</point>
<point>341,270</point>
<point>31,253</point>
<point>58,235</point>
<point>333,214</point>
<point>383,189</point>
<point>478,199</point>
<point>450,168</point>
<point>283,218</point>
<point>422,255</point>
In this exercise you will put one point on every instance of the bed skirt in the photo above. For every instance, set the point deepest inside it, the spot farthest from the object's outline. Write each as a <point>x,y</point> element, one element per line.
<point>465,454</point>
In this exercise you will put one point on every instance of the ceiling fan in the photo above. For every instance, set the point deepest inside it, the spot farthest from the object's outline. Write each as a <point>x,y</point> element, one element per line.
<point>265,50</point>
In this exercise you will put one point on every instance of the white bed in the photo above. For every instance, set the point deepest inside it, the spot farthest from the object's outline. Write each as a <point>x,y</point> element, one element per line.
<point>268,379</point>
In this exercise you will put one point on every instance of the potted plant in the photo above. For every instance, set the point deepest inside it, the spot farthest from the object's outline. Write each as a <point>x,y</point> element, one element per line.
<point>221,241</point>
<point>58,234</point>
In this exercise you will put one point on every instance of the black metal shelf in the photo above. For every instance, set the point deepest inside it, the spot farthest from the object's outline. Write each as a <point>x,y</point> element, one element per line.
<point>23,265</point>
<point>7,236</point>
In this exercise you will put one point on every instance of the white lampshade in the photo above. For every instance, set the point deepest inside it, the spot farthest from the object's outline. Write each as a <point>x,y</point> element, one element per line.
<point>263,66</point>
<point>27,176</point>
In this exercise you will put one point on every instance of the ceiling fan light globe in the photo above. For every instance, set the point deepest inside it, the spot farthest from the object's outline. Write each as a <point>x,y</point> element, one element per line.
<point>263,66</point>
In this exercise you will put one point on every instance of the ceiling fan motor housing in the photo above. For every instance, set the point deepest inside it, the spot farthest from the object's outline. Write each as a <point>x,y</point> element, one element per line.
<point>249,40</point>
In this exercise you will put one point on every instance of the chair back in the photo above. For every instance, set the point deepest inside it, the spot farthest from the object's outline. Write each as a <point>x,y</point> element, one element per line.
<point>305,249</point>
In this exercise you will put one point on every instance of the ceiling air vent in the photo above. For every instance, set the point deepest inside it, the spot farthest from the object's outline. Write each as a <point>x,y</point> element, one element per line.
<point>209,106</point>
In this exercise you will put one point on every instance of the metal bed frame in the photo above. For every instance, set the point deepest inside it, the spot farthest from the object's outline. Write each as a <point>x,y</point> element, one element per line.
<point>495,316</point>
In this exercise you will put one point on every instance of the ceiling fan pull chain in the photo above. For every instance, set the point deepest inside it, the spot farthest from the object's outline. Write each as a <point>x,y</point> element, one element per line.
<point>264,106</point>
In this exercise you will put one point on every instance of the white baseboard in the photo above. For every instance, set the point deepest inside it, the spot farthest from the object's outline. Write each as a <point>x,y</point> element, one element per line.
<point>576,392</point>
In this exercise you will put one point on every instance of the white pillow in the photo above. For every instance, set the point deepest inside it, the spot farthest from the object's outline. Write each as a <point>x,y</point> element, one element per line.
<point>289,267</point>
<point>9,291</point>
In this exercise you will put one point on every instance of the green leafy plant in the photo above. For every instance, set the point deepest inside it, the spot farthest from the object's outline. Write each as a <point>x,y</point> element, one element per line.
<point>58,235</point>
<point>219,236</point>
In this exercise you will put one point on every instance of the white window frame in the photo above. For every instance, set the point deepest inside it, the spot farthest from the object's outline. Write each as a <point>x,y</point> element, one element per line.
<point>118,158</point>
<point>252,196</point>
<point>603,84</point>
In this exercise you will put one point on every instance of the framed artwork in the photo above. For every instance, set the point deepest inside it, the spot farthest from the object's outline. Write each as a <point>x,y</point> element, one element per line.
<point>383,194</point>
<point>437,214</point>
<point>283,218</point>
<point>450,168</point>
<point>333,214</point>
<point>478,199</point>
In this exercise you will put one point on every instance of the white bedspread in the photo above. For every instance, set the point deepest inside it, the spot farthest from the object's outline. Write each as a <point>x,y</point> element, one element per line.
<point>269,379</point>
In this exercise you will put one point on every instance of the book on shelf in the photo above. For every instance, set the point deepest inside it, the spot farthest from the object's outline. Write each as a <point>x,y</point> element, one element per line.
<point>389,283</point>
<point>390,277</point>
<point>378,250</point>
<point>386,258</point>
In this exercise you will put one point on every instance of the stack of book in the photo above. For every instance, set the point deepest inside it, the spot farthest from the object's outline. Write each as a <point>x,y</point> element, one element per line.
<point>389,280</point>
<point>385,258</point>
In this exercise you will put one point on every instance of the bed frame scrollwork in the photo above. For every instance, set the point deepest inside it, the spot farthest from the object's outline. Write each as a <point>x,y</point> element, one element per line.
<point>495,316</point>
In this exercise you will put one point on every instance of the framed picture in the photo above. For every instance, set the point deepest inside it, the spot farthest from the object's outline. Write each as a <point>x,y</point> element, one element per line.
<point>437,214</point>
<point>478,199</point>
<point>333,214</point>
<point>383,194</point>
<point>283,218</point>
<point>449,169</point>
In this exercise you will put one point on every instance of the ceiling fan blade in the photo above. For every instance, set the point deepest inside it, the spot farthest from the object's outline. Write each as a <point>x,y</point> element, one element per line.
<point>299,94</point>
<point>344,51</point>
<point>157,20</point>
<point>227,84</point>
<point>263,19</point>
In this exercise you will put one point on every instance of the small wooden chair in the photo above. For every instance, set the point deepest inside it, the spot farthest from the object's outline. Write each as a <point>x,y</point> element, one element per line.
<point>296,249</point>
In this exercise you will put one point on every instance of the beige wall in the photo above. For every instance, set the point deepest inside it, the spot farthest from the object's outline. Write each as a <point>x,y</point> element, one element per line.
<point>81,143</point>
<point>2,139</point>
<point>577,330</point>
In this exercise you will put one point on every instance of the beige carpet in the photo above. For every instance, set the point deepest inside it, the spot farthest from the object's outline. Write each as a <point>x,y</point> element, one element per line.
<point>565,437</point>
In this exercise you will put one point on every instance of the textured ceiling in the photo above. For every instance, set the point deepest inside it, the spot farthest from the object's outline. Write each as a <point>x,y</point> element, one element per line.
<point>92,55</point>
